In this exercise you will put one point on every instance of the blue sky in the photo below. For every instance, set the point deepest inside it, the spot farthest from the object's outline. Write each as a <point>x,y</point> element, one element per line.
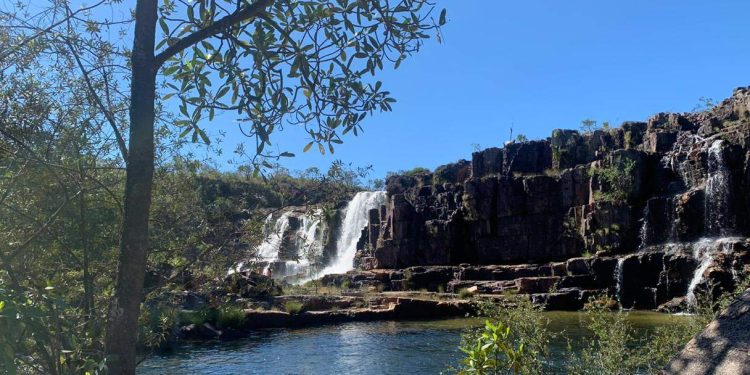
<point>537,66</point>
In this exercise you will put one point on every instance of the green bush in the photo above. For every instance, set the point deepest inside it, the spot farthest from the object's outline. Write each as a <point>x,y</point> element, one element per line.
<point>619,181</point>
<point>522,343</point>
<point>416,171</point>
<point>518,343</point>
<point>492,349</point>
<point>293,307</point>
<point>231,317</point>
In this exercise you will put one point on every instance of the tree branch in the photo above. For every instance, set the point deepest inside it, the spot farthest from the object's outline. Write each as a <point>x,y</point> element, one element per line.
<point>240,15</point>
<point>107,113</point>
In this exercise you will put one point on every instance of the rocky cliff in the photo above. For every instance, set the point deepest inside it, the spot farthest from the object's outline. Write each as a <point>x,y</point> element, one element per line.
<point>664,199</point>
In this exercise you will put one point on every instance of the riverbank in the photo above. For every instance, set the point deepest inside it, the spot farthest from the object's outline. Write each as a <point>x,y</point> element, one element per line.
<point>311,310</point>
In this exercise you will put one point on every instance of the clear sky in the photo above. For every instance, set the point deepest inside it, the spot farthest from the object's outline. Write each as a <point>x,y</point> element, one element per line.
<point>541,65</point>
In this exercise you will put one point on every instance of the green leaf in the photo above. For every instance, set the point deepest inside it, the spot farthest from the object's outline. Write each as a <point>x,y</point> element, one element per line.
<point>164,26</point>
<point>442,17</point>
<point>224,90</point>
<point>204,137</point>
<point>286,155</point>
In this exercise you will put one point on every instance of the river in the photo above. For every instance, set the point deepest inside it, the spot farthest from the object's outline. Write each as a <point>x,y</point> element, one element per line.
<point>418,347</point>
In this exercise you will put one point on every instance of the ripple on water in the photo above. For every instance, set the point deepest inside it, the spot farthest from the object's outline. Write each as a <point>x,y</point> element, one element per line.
<point>427,347</point>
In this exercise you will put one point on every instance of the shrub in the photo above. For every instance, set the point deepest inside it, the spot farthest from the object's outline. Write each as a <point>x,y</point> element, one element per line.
<point>346,284</point>
<point>522,343</point>
<point>619,181</point>
<point>518,342</point>
<point>231,317</point>
<point>416,171</point>
<point>494,348</point>
<point>293,307</point>
<point>464,293</point>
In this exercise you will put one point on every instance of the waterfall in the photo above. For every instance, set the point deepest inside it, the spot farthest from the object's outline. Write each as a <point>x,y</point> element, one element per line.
<point>273,237</point>
<point>356,216</point>
<point>704,251</point>
<point>643,233</point>
<point>718,217</point>
<point>619,279</point>
<point>289,259</point>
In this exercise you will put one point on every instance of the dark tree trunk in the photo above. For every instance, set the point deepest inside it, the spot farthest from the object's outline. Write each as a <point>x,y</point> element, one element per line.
<point>123,315</point>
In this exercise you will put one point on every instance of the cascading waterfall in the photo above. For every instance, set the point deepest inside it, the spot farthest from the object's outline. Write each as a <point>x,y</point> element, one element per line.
<point>280,256</point>
<point>273,237</point>
<point>643,232</point>
<point>355,218</point>
<point>619,280</point>
<point>705,251</point>
<point>718,217</point>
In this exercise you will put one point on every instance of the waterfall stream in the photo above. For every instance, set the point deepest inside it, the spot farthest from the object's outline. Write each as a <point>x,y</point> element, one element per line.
<point>704,252</point>
<point>273,237</point>
<point>619,280</point>
<point>718,217</point>
<point>294,238</point>
<point>355,218</point>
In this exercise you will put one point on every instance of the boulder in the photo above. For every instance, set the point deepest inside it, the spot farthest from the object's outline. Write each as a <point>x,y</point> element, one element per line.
<point>721,348</point>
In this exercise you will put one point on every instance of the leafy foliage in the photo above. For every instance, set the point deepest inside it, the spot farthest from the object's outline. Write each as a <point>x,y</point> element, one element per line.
<point>493,350</point>
<point>523,334</point>
<point>298,63</point>
<point>618,180</point>
<point>293,307</point>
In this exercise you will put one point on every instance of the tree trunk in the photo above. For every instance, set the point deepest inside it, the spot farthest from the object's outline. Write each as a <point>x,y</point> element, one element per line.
<point>122,329</point>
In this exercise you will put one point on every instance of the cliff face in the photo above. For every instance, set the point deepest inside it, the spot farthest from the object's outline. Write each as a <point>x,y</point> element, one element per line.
<point>675,178</point>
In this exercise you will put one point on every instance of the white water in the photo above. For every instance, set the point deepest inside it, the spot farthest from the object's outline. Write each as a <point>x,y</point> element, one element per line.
<point>355,218</point>
<point>308,243</point>
<point>619,279</point>
<point>704,251</point>
<point>269,250</point>
<point>643,232</point>
<point>718,217</point>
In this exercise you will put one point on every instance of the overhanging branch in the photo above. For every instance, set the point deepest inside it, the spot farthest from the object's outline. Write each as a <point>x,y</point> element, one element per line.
<point>240,15</point>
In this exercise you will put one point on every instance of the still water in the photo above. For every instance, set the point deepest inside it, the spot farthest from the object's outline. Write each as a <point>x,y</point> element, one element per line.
<point>422,347</point>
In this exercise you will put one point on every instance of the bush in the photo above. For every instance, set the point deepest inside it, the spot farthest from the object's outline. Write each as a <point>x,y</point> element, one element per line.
<point>293,307</point>
<point>494,348</point>
<point>618,181</point>
<point>522,345</point>
<point>231,317</point>
<point>518,342</point>
<point>465,293</point>
<point>416,171</point>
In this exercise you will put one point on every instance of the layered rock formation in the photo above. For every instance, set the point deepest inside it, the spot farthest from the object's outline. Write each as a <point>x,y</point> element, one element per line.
<point>639,201</point>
